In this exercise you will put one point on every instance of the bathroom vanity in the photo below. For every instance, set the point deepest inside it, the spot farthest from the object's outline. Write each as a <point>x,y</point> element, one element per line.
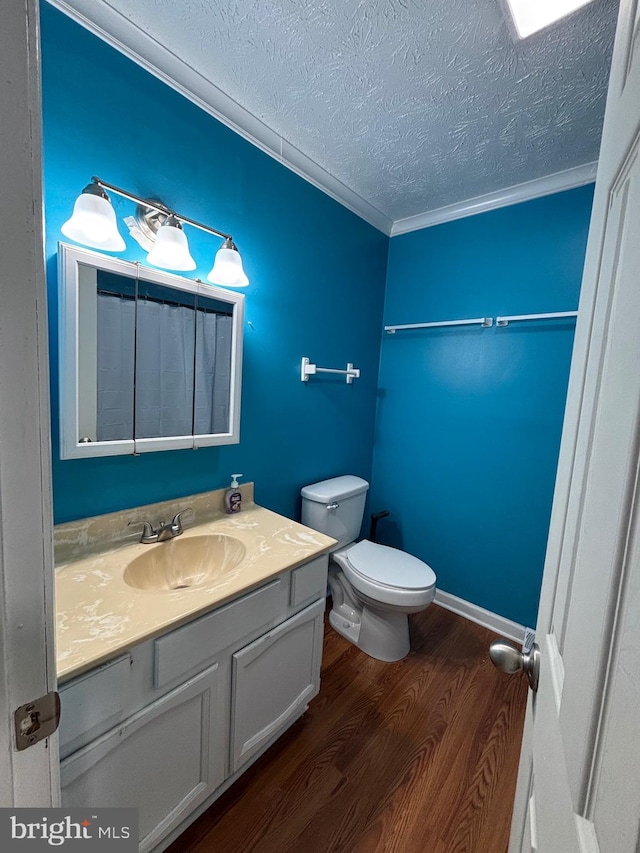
<point>168,695</point>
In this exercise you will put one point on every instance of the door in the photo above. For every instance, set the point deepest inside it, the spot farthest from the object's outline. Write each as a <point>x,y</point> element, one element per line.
<point>274,678</point>
<point>27,662</point>
<point>164,760</point>
<point>579,779</point>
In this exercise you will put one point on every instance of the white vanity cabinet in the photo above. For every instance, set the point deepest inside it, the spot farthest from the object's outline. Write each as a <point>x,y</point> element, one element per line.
<point>168,725</point>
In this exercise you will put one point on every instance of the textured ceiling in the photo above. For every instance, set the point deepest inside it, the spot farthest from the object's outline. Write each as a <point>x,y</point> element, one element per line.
<point>412,104</point>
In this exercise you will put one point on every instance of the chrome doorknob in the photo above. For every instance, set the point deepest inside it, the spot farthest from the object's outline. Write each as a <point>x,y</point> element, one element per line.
<point>509,659</point>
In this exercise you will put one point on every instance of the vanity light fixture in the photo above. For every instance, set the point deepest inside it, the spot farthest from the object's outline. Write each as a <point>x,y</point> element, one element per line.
<point>93,223</point>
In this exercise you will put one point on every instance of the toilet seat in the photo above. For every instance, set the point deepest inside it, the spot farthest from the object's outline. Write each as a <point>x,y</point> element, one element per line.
<point>387,575</point>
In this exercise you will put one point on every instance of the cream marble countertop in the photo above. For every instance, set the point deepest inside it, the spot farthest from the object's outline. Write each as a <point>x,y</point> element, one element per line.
<point>99,615</point>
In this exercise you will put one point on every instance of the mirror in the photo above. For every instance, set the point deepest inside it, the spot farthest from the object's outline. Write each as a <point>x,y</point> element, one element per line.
<point>148,360</point>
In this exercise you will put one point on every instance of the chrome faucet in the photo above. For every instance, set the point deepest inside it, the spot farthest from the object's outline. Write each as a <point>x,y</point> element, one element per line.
<point>163,532</point>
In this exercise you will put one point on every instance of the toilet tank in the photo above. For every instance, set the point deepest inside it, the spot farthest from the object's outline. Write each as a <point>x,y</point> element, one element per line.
<point>335,507</point>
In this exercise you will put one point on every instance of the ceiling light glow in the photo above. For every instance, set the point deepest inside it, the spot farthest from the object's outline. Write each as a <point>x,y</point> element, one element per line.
<point>529,16</point>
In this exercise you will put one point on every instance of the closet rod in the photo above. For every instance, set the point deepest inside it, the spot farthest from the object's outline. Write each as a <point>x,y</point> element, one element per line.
<point>477,321</point>
<point>504,321</point>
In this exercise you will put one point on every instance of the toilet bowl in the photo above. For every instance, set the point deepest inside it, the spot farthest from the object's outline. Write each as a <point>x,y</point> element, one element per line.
<point>385,585</point>
<point>373,587</point>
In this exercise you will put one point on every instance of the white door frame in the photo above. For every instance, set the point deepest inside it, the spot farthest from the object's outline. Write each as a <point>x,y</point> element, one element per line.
<point>27,659</point>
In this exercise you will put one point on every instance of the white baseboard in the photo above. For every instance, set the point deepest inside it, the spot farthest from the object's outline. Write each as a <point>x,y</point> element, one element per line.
<point>504,627</point>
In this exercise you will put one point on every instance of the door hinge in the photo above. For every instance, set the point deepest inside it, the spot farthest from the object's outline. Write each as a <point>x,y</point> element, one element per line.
<point>37,720</point>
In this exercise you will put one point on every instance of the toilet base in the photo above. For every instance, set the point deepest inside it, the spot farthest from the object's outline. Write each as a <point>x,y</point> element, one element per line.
<point>381,635</point>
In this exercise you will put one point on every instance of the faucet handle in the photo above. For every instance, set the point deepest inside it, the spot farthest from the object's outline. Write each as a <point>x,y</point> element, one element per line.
<point>148,533</point>
<point>176,524</point>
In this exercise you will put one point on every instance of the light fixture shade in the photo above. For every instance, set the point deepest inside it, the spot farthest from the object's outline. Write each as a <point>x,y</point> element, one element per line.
<point>227,268</point>
<point>171,249</point>
<point>93,222</point>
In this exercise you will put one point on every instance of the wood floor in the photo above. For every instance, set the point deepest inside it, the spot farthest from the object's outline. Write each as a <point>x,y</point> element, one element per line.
<point>418,756</point>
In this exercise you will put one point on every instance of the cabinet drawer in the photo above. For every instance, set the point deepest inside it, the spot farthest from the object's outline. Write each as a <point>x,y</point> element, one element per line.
<point>309,582</point>
<point>92,701</point>
<point>190,648</point>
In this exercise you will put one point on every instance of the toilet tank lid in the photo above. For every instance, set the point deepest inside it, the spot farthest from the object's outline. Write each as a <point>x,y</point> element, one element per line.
<point>335,489</point>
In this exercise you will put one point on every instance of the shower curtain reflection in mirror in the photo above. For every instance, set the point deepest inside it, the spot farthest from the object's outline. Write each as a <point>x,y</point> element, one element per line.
<point>182,368</point>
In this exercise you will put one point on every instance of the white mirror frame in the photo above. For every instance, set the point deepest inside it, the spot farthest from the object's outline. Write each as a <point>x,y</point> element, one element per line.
<point>70,258</point>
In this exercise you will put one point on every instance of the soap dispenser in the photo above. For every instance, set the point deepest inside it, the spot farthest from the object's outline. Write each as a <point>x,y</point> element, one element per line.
<point>233,498</point>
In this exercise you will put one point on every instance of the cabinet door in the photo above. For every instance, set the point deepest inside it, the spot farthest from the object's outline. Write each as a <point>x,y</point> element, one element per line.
<point>273,679</point>
<point>163,760</point>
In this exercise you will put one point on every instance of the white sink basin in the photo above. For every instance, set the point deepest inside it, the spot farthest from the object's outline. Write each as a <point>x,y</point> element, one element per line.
<point>188,563</point>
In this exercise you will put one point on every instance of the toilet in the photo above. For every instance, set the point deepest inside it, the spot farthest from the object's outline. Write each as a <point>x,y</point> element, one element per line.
<point>373,587</point>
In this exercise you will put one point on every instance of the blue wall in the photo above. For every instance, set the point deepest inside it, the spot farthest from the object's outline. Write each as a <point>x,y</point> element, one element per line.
<point>317,277</point>
<point>469,419</point>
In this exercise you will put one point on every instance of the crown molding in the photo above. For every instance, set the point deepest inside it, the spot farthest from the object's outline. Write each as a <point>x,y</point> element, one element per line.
<point>120,33</point>
<point>568,179</point>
